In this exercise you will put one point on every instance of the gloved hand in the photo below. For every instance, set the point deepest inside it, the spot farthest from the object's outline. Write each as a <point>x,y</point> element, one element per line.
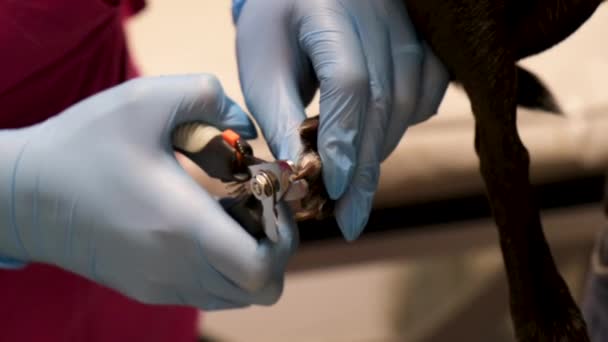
<point>97,190</point>
<point>375,78</point>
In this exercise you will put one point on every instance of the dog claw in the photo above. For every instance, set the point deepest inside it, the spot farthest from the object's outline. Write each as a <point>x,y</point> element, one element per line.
<point>316,205</point>
<point>309,167</point>
<point>306,215</point>
<point>309,130</point>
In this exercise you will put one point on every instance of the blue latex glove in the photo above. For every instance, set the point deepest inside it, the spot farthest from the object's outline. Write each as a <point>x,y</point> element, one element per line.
<point>97,190</point>
<point>375,77</point>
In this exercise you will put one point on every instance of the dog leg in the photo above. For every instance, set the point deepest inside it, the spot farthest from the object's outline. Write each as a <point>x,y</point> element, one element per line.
<point>541,305</point>
<point>473,40</point>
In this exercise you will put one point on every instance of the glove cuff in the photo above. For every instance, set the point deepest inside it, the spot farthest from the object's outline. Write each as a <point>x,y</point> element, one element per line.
<point>11,264</point>
<point>12,143</point>
<point>237,6</point>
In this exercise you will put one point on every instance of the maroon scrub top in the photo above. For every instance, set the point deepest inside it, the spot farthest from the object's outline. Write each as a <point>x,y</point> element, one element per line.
<point>54,53</point>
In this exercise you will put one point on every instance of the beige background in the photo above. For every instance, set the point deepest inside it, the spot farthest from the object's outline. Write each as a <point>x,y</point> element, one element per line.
<point>436,160</point>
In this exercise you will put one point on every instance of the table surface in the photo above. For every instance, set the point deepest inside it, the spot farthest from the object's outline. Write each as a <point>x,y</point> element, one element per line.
<point>337,291</point>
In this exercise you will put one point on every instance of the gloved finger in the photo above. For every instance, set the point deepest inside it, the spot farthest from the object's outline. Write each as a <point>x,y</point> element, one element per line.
<point>206,301</point>
<point>407,56</point>
<point>288,241</point>
<point>226,297</point>
<point>269,76</point>
<point>279,254</point>
<point>219,286</point>
<point>233,252</point>
<point>330,39</point>
<point>356,203</point>
<point>202,98</point>
<point>434,83</point>
<point>218,304</point>
<point>197,297</point>
<point>224,290</point>
<point>174,100</point>
<point>354,207</point>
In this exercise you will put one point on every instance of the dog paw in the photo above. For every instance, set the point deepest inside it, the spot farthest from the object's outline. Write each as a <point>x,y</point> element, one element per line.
<point>317,204</point>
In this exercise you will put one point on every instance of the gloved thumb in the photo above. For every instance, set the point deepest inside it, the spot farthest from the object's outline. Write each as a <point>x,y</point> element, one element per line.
<point>163,103</point>
<point>271,79</point>
<point>202,98</point>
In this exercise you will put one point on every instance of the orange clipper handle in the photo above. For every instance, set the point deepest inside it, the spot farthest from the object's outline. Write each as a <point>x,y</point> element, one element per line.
<point>221,155</point>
